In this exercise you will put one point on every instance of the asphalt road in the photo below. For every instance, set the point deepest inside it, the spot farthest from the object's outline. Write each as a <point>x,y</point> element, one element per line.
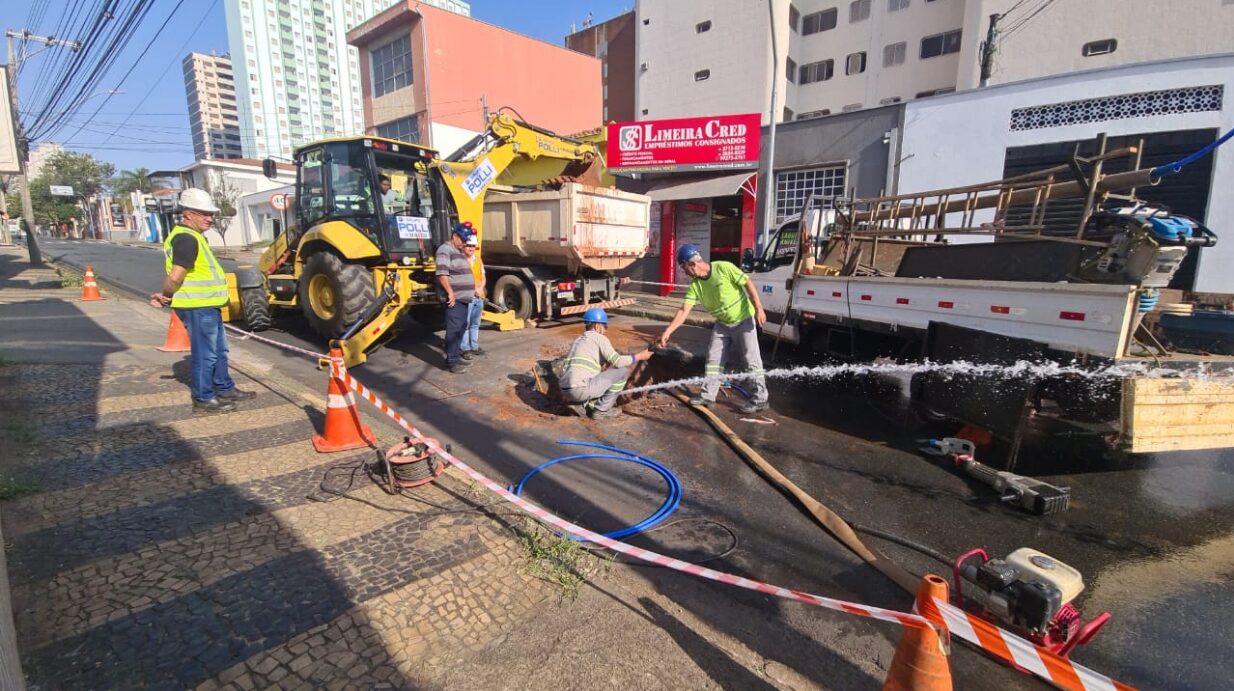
<point>1153,536</point>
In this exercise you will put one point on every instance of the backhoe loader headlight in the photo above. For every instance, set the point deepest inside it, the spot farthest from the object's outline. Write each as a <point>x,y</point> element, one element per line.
<point>406,261</point>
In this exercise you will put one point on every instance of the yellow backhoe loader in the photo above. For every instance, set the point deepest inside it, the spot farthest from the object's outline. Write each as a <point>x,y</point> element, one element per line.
<point>353,258</point>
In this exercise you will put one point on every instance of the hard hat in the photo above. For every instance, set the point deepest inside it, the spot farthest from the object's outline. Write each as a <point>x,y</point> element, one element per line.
<point>462,230</point>
<point>472,240</point>
<point>198,200</point>
<point>687,252</point>
<point>595,315</point>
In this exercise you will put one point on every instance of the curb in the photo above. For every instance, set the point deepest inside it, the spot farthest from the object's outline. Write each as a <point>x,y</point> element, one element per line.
<point>652,313</point>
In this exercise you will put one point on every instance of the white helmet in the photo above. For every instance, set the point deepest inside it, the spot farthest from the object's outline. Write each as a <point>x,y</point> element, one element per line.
<point>198,200</point>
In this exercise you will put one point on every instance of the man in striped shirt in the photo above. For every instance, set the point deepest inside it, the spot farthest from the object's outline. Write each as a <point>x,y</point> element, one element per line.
<point>595,373</point>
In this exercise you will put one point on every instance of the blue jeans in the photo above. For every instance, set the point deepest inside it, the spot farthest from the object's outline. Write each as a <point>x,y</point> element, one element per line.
<point>471,337</point>
<point>208,343</point>
<point>456,329</point>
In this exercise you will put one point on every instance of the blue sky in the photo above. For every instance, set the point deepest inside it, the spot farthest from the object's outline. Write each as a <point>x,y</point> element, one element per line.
<point>156,134</point>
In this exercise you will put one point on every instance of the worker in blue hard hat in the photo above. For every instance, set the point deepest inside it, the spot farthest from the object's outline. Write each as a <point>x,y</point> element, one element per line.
<point>595,374</point>
<point>729,295</point>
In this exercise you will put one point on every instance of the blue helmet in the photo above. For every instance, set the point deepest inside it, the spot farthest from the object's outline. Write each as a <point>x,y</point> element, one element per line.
<point>595,315</point>
<point>687,252</point>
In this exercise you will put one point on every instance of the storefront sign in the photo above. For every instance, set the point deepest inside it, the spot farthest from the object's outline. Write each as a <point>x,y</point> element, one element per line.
<point>711,143</point>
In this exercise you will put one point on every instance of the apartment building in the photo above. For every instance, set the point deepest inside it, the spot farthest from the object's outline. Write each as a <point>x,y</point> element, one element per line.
<point>612,42</point>
<point>430,76</point>
<point>213,118</point>
<point>838,56</point>
<point>296,78</point>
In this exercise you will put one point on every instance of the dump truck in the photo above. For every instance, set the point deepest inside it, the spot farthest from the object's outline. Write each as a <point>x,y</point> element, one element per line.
<point>353,259</point>
<point>1076,293</point>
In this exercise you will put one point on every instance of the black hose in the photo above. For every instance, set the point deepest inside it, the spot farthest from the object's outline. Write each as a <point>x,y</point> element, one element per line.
<point>902,541</point>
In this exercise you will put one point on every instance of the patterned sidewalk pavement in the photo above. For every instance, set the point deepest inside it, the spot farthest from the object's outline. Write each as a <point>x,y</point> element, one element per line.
<point>152,549</point>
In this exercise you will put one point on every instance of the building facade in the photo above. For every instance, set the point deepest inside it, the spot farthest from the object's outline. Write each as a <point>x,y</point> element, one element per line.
<point>430,76</point>
<point>1173,107</point>
<point>613,43</point>
<point>838,56</point>
<point>39,153</point>
<point>213,116</point>
<point>296,78</point>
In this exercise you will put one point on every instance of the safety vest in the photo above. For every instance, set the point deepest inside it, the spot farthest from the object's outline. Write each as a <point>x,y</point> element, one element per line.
<point>204,285</point>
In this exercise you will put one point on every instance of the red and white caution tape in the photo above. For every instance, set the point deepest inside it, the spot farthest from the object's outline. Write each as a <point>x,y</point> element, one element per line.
<point>249,335</point>
<point>544,516</point>
<point>1023,654</point>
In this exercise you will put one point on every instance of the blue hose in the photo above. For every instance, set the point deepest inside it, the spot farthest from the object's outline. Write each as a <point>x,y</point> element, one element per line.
<point>666,509</point>
<point>1177,166</point>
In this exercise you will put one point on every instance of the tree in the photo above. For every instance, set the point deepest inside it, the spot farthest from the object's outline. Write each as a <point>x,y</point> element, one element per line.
<point>127,182</point>
<point>82,172</point>
<point>224,195</point>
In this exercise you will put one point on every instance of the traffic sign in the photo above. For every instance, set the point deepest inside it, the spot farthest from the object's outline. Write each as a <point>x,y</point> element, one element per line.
<point>61,190</point>
<point>278,201</point>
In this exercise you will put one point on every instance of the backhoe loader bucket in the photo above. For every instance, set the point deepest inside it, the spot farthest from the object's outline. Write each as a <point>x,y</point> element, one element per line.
<point>587,171</point>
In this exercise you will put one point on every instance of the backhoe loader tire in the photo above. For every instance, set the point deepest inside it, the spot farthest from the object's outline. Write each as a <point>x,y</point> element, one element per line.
<point>255,305</point>
<point>511,293</point>
<point>334,293</point>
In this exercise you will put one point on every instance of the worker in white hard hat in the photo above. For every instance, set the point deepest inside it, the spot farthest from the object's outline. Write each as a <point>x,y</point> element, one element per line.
<point>196,288</point>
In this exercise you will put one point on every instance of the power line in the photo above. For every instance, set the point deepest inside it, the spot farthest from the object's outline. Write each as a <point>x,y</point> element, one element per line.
<point>1024,22</point>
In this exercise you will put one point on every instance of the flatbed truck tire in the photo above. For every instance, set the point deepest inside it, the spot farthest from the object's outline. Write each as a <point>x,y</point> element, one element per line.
<point>334,293</point>
<point>255,306</point>
<point>511,293</point>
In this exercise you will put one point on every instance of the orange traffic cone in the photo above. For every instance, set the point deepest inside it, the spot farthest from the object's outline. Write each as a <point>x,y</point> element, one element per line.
<point>343,429</point>
<point>90,287</point>
<point>920,662</point>
<point>177,340</point>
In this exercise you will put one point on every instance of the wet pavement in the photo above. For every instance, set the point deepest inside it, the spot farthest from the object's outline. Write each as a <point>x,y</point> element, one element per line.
<point>1153,536</point>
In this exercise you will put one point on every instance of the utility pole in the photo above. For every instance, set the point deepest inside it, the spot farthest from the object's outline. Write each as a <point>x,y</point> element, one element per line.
<point>988,49</point>
<point>27,207</point>
<point>484,109</point>
<point>767,183</point>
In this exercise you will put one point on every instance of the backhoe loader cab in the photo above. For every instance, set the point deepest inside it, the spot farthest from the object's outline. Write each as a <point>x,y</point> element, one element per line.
<point>368,216</point>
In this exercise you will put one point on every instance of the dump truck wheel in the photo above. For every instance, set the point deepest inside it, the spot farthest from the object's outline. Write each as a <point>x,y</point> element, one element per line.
<point>255,304</point>
<point>334,293</point>
<point>511,293</point>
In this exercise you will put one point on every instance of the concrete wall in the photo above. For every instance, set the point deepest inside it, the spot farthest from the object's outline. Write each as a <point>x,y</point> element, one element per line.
<point>1052,42</point>
<point>400,103</point>
<point>736,50</point>
<point>613,42</point>
<point>961,139</point>
<point>855,140</point>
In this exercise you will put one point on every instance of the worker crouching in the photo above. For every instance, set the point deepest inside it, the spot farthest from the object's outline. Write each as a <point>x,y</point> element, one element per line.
<point>594,373</point>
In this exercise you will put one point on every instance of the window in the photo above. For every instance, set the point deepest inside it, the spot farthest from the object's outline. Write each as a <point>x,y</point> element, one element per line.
<point>1103,47</point>
<point>813,114</point>
<point>894,54</point>
<point>816,71</point>
<point>896,5</point>
<point>312,187</point>
<point>702,27</point>
<point>940,44</point>
<point>858,11</point>
<point>855,63</point>
<point>702,75</point>
<point>788,114</point>
<point>405,130</point>
<point>819,21</point>
<point>391,66</point>
<point>782,250</point>
<point>793,188</point>
<point>790,71</point>
<point>794,16</point>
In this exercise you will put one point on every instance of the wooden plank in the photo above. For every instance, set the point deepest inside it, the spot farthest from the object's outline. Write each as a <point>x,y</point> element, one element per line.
<point>1176,415</point>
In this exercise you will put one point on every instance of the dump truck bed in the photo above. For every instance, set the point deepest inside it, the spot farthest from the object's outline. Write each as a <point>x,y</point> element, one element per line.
<point>578,227</point>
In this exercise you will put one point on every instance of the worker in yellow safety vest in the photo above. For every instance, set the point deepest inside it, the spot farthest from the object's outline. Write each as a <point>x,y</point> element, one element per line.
<point>196,288</point>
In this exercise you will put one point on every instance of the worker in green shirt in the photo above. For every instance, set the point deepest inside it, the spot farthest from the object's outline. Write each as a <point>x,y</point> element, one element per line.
<point>727,293</point>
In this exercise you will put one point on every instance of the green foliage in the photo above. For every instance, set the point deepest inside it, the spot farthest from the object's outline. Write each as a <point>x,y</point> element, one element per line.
<point>11,488</point>
<point>558,560</point>
<point>224,195</point>
<point>82,172</point>
<point>128,181</point>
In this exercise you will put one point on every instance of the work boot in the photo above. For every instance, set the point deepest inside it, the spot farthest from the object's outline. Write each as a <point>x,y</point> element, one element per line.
<point>468,355</point>
<point>700,401</point>
<point>458,368</point>
<point>750,407</point>
<point>212,406</point>
<point>606,414</point>
<point>478,352</point>
<point>236,395</point>
<point>578,409</point>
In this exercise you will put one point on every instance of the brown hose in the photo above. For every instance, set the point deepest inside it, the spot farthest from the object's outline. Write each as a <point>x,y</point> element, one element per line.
<point>825,517</point>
